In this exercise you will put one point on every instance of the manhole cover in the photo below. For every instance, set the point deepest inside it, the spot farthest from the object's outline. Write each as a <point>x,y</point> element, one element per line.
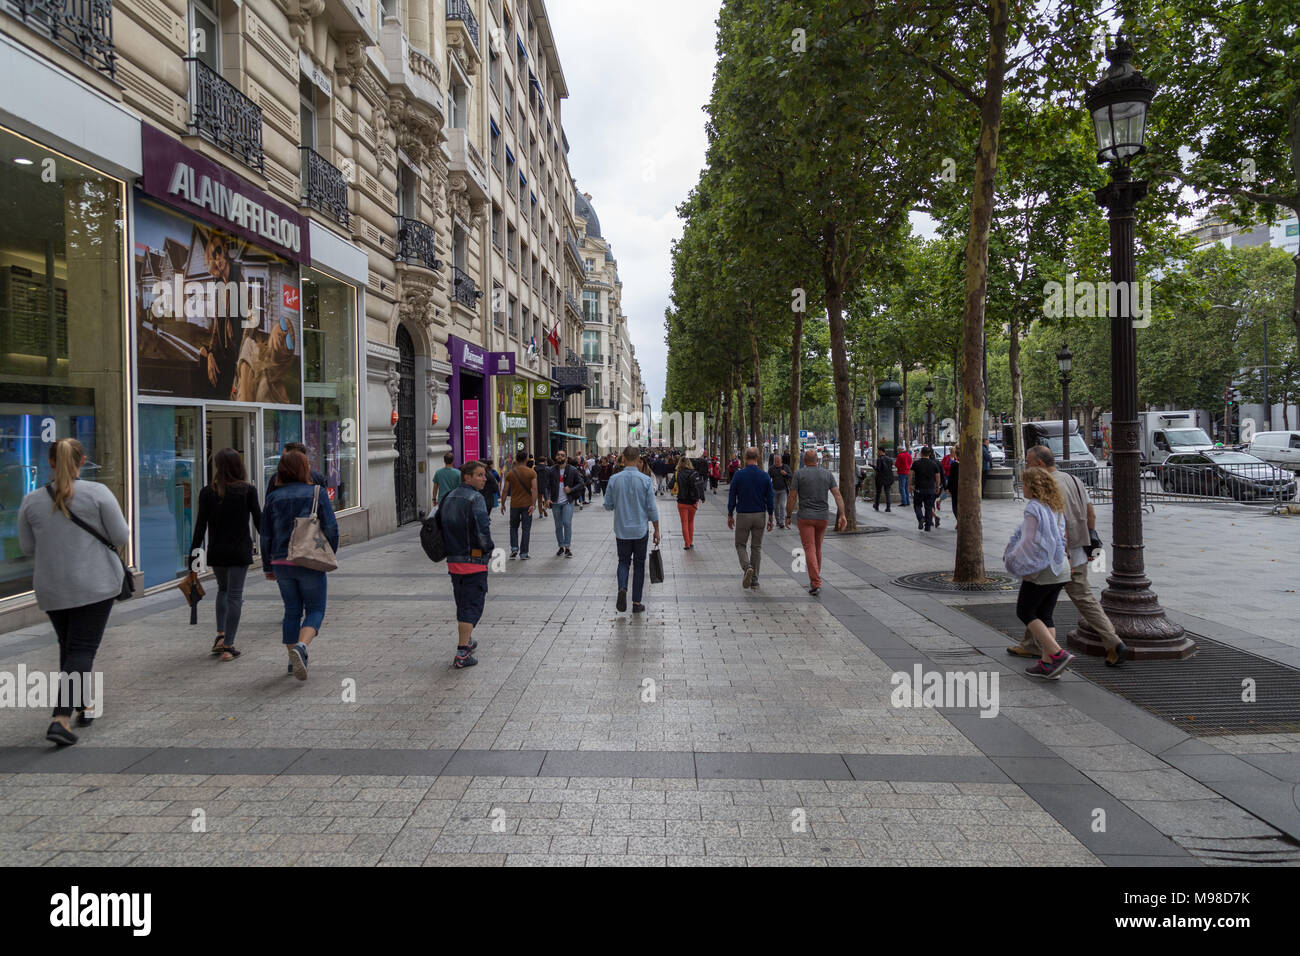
<point>1201,695</point>
<point>942,581</point>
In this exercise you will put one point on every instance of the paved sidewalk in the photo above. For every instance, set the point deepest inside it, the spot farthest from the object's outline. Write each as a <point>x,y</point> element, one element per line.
<point>767,735</point>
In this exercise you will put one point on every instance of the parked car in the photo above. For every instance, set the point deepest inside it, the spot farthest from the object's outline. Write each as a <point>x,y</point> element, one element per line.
<point>1226,474</point>
<point>1278,448</point>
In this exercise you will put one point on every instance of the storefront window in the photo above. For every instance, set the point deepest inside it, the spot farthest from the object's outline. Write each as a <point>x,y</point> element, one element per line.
<point>170,476</point>
<point>513,424</point>
<point>330,384</point>
<point>61,325</point>
<point>278,429</point>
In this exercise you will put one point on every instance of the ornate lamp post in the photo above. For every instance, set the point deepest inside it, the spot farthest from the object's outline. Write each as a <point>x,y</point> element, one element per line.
<point>862,425</point>
<point>753,425</point>
<point>929,414</point>
<point>888,406</point>
<point>1065,361</point>
<point>1118,104</point>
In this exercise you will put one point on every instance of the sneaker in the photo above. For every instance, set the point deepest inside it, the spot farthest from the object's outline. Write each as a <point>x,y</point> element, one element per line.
<point>463,659</point>
<point>754,586</point>
<point>748,580</point>
<point>813,592</point>
<point>298,661</point>
<point>936,521</point>
<point>473,645</point>
<point>56,734</point>
<point>1117,655</point>
<point>513,555</point>
<point>638,608</point>
<point>920,526</point>
<point>621,604</point>
<point>1053,670</point>
<point>568,553</point>
<point>523,557</point>
<point>559,552</point>
<point>1023,650</point>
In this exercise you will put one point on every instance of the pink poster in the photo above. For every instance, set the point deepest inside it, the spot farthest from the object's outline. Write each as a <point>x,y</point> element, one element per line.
<point>469,429</point>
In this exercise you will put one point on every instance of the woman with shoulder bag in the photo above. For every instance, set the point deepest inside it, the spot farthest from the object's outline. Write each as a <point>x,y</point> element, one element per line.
<point>1036,554</point>
<point>302,588</point>
<point>73,528</point>
<point>687,489</point>
<point>225,507</point>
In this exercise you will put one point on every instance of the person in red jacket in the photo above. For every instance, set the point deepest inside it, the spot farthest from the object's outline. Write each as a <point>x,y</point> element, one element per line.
<point>733,466</point>
<point>903,466</point>
<point>715,474</point>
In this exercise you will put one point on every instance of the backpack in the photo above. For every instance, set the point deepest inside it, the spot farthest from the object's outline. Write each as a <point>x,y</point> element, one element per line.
<point>431,537</point>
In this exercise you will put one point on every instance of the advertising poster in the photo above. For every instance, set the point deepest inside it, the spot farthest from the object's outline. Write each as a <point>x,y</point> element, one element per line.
<point>469,427</point>
<point>217,317</point>
<point>513,419</point>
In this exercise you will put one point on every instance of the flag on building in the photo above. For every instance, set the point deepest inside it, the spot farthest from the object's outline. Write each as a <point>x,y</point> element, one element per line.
<point>554,338</point>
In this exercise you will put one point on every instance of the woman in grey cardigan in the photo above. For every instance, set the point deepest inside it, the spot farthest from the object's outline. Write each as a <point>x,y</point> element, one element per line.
<point>76,578</point>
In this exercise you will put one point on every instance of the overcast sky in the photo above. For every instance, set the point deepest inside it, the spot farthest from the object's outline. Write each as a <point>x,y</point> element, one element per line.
<point>639,75</point>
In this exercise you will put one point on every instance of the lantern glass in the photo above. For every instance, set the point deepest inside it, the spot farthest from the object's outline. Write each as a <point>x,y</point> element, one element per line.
<point>1065,359</point>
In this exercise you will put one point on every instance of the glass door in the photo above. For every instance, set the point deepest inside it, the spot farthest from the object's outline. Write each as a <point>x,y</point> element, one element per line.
<point>231,429</point>
<point>169,470</point>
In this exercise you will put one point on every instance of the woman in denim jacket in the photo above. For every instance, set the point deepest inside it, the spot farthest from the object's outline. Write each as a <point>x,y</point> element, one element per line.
<point>302,589</point>
<point>1036,555</point>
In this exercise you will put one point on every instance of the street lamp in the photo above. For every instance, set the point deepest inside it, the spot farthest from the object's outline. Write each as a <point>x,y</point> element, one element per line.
<point>929,414</point>
<point>862,424</point>
<point>753,425</point>
<point>1118,104</point>
<point>888,407</point>
<point>1064,361</point>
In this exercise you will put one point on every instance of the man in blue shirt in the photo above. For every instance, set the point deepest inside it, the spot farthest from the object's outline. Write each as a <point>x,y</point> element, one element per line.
<point>751,495</point>
<point>630,495</point>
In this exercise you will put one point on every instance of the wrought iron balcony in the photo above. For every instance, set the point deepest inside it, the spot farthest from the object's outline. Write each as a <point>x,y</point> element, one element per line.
<point>459,10</point>
<point>463,289</point>
<point>572,303</point>
<point>83,26</point>
<point>324,187</point>
<point>573,248</point>
<point>223,115</point>
<point>415,244</point>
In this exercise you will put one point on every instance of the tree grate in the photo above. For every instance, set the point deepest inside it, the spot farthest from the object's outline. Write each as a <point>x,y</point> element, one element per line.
<point>942,581</point>
<point>1200,695</point>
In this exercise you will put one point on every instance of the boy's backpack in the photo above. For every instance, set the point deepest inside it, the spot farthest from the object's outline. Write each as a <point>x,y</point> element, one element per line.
<point>431,537</point>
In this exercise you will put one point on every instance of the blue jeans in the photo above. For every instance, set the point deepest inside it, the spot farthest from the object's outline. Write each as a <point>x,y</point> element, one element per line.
<point>563,523</point>
<point>303,592</point>
<point>904,497</point>
<point>628,550</point>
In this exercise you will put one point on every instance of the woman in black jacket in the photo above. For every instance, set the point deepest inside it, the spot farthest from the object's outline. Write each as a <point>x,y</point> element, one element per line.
<point>224,509</point>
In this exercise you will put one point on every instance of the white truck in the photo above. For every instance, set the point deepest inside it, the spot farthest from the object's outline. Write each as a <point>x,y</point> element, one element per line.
<point>1171,433</point>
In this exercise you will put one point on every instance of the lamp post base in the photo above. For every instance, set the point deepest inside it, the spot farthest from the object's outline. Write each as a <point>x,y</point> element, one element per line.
<point>1139,621</point>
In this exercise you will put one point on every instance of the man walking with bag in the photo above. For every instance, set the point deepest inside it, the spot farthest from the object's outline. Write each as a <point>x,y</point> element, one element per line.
<point>521,489</point>
<point>751,495</point>
<point>467,532</point>
<point>631,496</point>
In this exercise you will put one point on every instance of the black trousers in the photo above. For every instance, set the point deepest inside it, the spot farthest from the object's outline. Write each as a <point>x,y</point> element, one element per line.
<point>886,487</point>
<point>1037,602</point>
<point>80,629</point>
<point>926,499</point>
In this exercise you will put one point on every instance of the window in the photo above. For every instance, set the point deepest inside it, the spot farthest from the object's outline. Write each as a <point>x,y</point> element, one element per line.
<point>510,172</point>
<point>459,245</point>
<point>511,308</point>
<point>390,9</point>
<point>408,192</point>
<point>1295,441</point>
<point>307,113</point>
<point>590,264</point>
<point>459,103</point>
<point>510,243</point>
<point>591,347</point>
<point>537,272</point>
<point>496,226</point>
<point>591,306</point>
<point>329,312</point>
<point>595,397</point>
<point>524,325</point>
<point>205,33</point>
<point>496,147</point>
<point>497,297</point>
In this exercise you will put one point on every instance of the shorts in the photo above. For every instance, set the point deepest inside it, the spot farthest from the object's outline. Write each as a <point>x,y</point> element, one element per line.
<point>470,591</point>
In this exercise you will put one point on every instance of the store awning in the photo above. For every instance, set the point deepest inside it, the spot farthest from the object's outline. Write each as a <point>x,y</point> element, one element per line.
<point>569,435</point>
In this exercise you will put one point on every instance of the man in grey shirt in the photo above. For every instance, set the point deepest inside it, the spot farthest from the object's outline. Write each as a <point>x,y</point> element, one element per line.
<point>807,501</point>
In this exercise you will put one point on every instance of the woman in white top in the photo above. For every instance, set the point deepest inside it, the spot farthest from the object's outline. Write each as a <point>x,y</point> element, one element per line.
<point>77,577</point>
<point>1036,555</point>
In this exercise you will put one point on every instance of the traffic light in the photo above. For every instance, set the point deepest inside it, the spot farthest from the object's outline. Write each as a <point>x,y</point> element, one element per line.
<point>1228,395</point>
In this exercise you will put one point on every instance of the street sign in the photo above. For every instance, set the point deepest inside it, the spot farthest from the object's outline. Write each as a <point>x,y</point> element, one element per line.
<point>803,434</point>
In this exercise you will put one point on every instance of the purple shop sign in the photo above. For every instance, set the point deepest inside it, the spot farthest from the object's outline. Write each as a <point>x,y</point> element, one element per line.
<point>501,363</point>
<point>186,180</point>
<point>467,355</point>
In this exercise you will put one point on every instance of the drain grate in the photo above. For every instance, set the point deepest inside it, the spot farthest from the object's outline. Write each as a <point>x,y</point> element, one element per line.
<point>1201,695</point>
<point>942,581</point>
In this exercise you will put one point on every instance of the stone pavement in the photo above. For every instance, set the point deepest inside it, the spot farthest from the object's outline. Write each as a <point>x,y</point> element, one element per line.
<point>723,727</point>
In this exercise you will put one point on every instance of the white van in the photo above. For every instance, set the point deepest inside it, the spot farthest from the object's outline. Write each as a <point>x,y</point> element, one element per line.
<point>1278,448</point>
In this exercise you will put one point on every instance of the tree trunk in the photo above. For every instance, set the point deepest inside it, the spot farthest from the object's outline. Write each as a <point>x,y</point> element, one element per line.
<point>726,424</point>
<point>1016,452</point>
<point>873,415</point>
<point>969,564</point>
<point>758,389</point>
<point>843,391</point>
<point>796,388</point>
<point>906,431</point>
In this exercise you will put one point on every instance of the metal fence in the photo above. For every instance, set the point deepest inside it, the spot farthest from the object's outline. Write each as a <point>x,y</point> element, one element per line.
<point>1193,479</point>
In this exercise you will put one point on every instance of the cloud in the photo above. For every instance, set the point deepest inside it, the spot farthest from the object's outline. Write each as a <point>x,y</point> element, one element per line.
<point>639,76</point>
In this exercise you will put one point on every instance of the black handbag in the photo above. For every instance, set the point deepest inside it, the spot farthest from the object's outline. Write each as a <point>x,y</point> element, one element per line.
<point>128,582</point>
<point>656,567</point>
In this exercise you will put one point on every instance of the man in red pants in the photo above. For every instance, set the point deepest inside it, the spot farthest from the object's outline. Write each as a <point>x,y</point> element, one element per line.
<point>807,500</point>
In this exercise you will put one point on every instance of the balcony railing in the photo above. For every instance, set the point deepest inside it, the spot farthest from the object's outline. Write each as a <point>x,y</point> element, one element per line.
<point>324,188</point>
<point>415,244</point>
<point>463,289</point>
<point>593,358</point>
<point>459,10</point>
<point>572,303</point>
<point>223,115</point>
<point>83,26</point>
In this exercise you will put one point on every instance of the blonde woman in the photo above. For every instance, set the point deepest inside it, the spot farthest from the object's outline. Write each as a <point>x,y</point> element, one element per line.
<point>1036,555</point>
<point>77,575</point>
